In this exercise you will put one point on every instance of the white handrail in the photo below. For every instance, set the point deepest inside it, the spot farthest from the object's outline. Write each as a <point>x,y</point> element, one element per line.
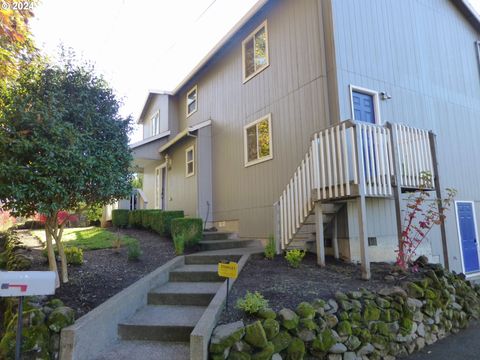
<point>330,170</point>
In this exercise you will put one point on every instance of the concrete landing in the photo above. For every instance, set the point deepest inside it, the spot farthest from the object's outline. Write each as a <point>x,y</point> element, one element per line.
<point>147,350</point>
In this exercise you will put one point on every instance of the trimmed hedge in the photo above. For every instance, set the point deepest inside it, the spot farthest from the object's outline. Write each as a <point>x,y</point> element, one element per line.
<point>188,229</point>
<point>156,220</point>
<point>120,218</point>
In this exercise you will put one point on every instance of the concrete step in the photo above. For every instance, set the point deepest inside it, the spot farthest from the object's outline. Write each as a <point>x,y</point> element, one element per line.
<point>195,273</point>
<point>146,350</point>
<point>207,245</point>
<point>217,235</point>
<point>161,323</point>
<point>199,259</point>
<point>184,293</point>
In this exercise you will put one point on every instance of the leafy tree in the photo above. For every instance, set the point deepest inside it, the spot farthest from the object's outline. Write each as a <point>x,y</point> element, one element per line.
<point>62,144</point>
<point>16,44</point>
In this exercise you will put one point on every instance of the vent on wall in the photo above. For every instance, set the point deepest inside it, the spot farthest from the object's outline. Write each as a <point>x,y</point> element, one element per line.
<point>372,241</point>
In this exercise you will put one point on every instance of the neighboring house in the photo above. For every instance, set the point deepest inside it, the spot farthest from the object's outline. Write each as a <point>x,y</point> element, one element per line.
<point>228,140</point>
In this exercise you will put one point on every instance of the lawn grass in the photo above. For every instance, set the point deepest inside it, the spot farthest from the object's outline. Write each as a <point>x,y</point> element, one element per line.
<point>89,238</point>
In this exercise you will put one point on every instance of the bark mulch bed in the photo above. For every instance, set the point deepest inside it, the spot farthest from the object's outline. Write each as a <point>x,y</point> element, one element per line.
<point>286,287</point>
<point>105,272</point>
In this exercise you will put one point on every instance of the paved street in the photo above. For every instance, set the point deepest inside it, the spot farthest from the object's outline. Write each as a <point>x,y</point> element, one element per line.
<point>464,345</point>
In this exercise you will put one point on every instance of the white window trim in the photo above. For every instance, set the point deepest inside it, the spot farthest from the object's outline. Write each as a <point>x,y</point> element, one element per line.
<point>376,101</point>
<point>196,101</point>
<point>472,274</point>
<point>190,148</point>
<point>158,200</point>
<point>245,142</point>
<point>156,114</point>
<point>245,79</point>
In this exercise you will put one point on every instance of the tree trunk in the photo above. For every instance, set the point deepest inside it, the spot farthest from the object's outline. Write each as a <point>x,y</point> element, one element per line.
<point>61,252</point>
<point>52,262</point>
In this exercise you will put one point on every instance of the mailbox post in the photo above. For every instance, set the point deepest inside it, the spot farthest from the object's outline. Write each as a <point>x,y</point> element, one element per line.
<point>25,283</point>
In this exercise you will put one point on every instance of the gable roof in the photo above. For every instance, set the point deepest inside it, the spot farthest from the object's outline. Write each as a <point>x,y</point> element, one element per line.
<point>468,12</point>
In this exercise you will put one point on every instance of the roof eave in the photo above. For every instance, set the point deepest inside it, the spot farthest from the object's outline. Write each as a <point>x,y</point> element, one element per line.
<point>469,12</point>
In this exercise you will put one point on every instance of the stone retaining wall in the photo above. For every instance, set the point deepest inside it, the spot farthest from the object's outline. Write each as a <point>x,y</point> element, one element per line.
<point>393,322</point>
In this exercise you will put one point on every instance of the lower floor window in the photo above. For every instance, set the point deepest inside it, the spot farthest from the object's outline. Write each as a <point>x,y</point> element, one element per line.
<point>258,140</point>
<point>189,161</point>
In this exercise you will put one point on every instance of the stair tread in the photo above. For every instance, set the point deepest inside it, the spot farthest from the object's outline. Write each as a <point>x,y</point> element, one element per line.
<point>187,288</point>
<point>146,350</point>
<point>166,315</point>
<point>199,268</point>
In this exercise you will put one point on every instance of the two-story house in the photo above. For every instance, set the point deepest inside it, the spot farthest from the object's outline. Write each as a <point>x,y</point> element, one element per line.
<point>256,140</point>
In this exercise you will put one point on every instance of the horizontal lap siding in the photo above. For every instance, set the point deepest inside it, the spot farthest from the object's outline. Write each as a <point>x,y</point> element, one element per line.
<point>422,53</point>
<point>292,89</point>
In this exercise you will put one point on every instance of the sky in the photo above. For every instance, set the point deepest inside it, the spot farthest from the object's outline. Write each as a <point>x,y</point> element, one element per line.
<point>139,45</point>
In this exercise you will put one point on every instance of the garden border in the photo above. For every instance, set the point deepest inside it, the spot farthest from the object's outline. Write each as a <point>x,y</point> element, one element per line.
<point>96,330</point>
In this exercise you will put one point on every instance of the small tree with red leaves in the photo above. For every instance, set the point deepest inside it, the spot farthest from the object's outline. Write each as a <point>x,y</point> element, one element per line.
<point>423,213</point>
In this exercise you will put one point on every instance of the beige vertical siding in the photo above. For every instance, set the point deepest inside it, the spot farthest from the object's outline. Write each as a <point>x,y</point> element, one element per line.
<point>292,89</point>
<point>181,191</point>
<point>149,183</point>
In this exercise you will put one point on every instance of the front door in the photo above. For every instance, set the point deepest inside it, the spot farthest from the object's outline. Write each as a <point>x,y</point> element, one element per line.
<point>160,186</point>
<point>468,235</point>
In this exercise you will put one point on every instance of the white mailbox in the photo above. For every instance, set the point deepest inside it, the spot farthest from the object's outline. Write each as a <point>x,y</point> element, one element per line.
<point>26,283</point>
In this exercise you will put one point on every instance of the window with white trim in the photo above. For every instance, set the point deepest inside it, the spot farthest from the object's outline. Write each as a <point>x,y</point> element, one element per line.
<point>189,161</point>
<point>155,124</point>
<point>255,52</point>
<point>192,101</point>
<point>258,141</point>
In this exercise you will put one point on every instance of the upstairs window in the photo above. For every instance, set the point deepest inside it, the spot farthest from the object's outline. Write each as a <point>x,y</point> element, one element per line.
<point>155,124</point>
<point>258,141</point>
<point>189,161</point>
<point>255,52</point>
<point>192,101</point>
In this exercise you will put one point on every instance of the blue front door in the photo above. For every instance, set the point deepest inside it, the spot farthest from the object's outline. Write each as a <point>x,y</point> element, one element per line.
<point>468,237</point>
<point>363,108</point>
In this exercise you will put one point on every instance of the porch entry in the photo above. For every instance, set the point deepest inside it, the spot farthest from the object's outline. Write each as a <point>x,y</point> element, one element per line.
<point>160,186</point>
<point>467,230</point>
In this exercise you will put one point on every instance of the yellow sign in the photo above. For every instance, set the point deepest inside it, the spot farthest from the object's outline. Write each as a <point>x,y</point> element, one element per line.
<point>228,270</point>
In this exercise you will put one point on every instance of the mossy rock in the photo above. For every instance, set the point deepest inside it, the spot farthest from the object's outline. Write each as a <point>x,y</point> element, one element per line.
<point>61,317</point>
<point>296,350</point>
<point>339,296</point>
<point>430,294</point>
<point>308,324</point>
<point>235,355</point>
<point>265,354</point>
<point>224,336</point>
<point>415,290</point>
<point>382,328</point>
<point>267,313</point>
<point>281,341</point>
<point>255,335</point>
<point>386,315</point>
<point>380,342</point>
<point>55,303</point>
<point>289,319</point>
<point>353,343</point>
<point>406,326</point>
<point>344,328</point>
<point>343,316</point>
<point>324,341</point>
<point>365,336</point>
<point>331,320</point>
<point>305,310</point>
<point>271,327</point>
<point>382,303</point>
<point>371,313</point>
<point>356,316</point>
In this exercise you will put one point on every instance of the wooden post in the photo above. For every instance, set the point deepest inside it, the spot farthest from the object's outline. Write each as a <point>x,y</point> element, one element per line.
<point>397,193</point>
<point>277,227</point>
<point>319,234</point>
<point>335,237</point>
<point>438,193</point>
<point>362,209</point>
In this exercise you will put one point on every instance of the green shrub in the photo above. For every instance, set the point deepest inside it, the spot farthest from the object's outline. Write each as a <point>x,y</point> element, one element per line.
<point>134,251</point>
<point>270,249</point>
<point>74,255</point>
<point>135,218</point>
<point>162,222</point>
<point>149,217</point>
<point>179,243</point>
<point>120,218</point>
<point>252,303</point>
<point>190,229</point>
<point>294,257</point>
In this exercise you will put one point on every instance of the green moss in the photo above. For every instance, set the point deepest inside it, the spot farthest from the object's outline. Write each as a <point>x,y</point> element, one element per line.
<point>308,324</point>
<point>324,341</point>
<point>415,291</point>
<point>371,313</point>
<point>344,328</point>
<point>406,326</point>
<point>267,313</point>
<point>61,317</point>
<point>265,354</point>
<point>281,341</point>
<point>430,294</point>
<point>255,335</point>
<point>271,327</point>
<point>305,310</point>
<point>235,355</point>
<point>296,350</point>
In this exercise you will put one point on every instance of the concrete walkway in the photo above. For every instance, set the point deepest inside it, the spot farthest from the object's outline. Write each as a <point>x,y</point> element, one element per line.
<point>161,329</point>
<point>464,345</point>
